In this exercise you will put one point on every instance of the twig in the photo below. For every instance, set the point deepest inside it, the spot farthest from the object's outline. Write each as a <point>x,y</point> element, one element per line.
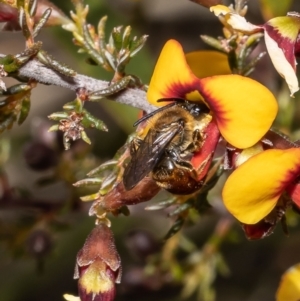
<point>36,70</point>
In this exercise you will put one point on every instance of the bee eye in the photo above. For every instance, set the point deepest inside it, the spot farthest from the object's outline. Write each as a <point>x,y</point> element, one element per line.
<point>198,109</point>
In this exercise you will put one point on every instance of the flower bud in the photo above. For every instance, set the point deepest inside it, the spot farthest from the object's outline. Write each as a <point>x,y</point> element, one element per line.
<point>118,197</point>
<point>98,266</point>
<point>9,16</point>
<point>39,156</point>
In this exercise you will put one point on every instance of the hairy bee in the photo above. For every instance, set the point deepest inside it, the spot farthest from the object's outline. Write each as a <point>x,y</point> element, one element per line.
<point>165,145</point>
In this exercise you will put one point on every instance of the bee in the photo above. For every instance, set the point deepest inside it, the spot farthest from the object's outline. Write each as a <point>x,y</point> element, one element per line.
<point>164,146</point>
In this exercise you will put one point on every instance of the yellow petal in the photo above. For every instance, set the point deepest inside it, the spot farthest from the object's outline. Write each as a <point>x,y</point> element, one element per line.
<point>247,153</point>
<point>239,23</point>
<point>289,288</point>
<point>286,27</point>
<point>244,109</point>
<point>220,10</point>
<point>236,21</point>
<point>208,63</point>
<point>172,76</point>
<point>252,190</point>
<point>96,279</point>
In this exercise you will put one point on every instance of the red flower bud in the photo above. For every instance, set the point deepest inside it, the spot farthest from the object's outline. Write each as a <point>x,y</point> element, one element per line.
<point>8,13</point>
<point>98,266</point>
<point>118,197</point>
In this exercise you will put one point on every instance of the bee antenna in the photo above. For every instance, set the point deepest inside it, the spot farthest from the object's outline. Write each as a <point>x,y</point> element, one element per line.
<point>147,116</point>
<point>174,99</point>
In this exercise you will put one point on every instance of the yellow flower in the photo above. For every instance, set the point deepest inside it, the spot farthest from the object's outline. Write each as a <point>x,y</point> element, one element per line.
<point>242,108</point>
<point>254,189</point>
<point>289,288</point>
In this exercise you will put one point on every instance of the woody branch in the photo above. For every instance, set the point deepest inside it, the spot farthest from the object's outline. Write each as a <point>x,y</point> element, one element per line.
<point>42,74</point>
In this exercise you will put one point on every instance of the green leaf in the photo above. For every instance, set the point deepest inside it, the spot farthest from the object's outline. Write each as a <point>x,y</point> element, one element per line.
<point>42,21</point>
<point>25,108</point>
<point>90,197</point>
<point>32,7</point>
<point>137,45</point>
<point>175,228</point>
<point>23,23</point>
<point>112,89</point>
<point>105,166</point>
<point>101,32</point>
<point>7,122</point>
<point>161,205</point>
<point>108,183</point>
<point>85,137</point>
<point>181,208</point>
<point>50,62</point>
<point>10,63</point>
<point>126,37</point>
<point>117,37</point>
<point>92,122</point>
<point>88,182</point>
<point>54,128</point>
<point>213,42</point>
<point>58,116</point>
<point>75,105</point>
<point>15,89</point>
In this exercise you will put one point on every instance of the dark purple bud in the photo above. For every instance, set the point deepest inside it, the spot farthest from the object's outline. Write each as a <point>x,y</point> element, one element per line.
<point>39,156</point>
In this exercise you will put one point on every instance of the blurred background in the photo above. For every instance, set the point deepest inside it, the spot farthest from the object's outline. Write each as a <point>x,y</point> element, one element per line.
<point>43,223</point>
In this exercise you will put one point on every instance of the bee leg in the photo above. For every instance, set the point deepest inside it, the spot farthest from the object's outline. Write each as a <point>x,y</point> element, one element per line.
<point>175,157</point>
<point>134,145</point>
<point>197,140</point>
<point>176,175</point>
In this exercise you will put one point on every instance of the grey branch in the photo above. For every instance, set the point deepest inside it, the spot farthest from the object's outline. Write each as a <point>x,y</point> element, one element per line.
<point>36,70</point>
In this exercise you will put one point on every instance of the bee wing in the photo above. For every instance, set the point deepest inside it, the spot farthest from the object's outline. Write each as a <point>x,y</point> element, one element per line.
<point>148,154</point>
